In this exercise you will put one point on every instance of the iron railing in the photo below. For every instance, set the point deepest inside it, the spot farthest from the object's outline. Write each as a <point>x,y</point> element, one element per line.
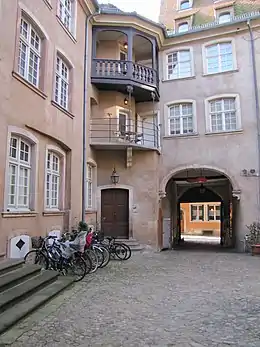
<point>216,23</point>
<point>121,69</point>
<point>111,130</point>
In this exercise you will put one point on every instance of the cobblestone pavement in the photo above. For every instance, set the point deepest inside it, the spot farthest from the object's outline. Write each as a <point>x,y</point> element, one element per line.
<point>173,298</point>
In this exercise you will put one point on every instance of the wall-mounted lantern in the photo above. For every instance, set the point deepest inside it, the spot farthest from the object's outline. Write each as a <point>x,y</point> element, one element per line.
<point>125,45</point>
<point>114,177</point>
<point>126,101</point>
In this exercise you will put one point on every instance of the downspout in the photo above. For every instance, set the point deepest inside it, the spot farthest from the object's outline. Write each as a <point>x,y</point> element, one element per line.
<point>84,123</point>
<point>257,108</point>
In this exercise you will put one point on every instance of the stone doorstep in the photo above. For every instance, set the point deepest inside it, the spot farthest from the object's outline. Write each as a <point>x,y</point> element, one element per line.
<point>15,313</point>
<point>2,256</point>
<point>7,265</point>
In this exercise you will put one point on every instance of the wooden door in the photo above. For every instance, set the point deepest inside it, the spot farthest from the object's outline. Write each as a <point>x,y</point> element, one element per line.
<point>115,212</point>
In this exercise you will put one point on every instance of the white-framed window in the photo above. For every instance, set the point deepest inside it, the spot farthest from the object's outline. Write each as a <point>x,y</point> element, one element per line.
<point>19,173</point>
<point>52,181</point>
<point>185,4</point>
<point>62,83</point>
<point>179,64</point>
<point>224,17</point>
<point>213,212</point>
<point>29,53</point>
<point>223,114</point>
<point>66,12</point>
<point>183,27</point>
<point>219,57</point>
<point>197,213</point>
<point>90,175</point>
<point>181,118</point>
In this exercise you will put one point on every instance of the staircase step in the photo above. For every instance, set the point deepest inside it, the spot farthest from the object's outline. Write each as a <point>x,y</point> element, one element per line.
<point>2,256</point>
<point>17,276</point>
<point>11,296</point>
<point>23,308</point>
<point>10,264</point>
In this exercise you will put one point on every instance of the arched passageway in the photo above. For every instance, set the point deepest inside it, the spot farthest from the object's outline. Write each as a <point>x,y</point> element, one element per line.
<point>198,206</point>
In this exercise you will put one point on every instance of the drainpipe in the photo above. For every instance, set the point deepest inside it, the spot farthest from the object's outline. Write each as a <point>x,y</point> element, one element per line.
<point>84,123</point>
<point>257,108</point>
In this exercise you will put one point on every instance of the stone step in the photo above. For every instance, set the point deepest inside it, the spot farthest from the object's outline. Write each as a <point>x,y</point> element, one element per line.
<point>10,264</point>
<point>18,276</point>
<point>2,256</point>
<point>15,313</point>
<point>132,243</point>
<point>12,296</point>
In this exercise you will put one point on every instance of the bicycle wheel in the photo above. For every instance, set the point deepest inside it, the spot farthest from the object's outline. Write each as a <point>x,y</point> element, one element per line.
<point>88,262</point>
<point>77,266</point>
<point>120,251</point>
<point>94,259</point>
<point>106,255</point>
<point>99,254</point>
<point>129,252</point>
<point>36,256</point>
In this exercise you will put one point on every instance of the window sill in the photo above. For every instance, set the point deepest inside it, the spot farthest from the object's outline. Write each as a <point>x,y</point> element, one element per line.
<point>71,36</point>
<point>48,4</point>
<point>178,79</point>
<point>19,214</point>
<point>90,211</point>
<point>192,135</point>
<point>234,132</point>
<point>54,103</point>
<point>219,73</point>
<point>53,213</point>
<point>29,85</point>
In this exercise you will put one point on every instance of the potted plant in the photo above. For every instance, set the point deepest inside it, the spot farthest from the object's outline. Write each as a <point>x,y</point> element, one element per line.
<point>253,238</point>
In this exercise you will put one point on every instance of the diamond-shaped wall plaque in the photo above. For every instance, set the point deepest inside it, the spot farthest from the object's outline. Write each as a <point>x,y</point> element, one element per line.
<point>20,244</point>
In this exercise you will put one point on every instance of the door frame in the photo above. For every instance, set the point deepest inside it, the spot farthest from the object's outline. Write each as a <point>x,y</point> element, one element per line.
<point>130,202</point>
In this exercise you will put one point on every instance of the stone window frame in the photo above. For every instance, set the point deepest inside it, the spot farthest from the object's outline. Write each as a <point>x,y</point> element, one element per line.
<point>72,30</point>
<point>62,181</point>
<point>34,143</point>
<point>93,164</point>
<point>167,117</point>
<point>24,12</point>
<point>176,50</point>
<point>236,96</point>
<point>215,42</point>
<point>71,67</point>
<point>187,18</point>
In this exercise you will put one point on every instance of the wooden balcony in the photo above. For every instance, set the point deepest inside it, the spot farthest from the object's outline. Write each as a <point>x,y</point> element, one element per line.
<point>118,74</point>
<point>111,133</point>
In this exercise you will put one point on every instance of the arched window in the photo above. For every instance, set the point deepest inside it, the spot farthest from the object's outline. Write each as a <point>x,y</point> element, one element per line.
<point>184,5</point>
<point>183,27</point>
<point>224,17</point>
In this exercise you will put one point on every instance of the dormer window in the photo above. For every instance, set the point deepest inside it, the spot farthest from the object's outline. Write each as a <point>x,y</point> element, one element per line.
<point>224,17</point>
<point>184,5</point>
<point>183,27</point>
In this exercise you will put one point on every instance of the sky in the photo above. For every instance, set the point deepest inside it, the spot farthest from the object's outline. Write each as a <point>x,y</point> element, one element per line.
<point>146,8</point>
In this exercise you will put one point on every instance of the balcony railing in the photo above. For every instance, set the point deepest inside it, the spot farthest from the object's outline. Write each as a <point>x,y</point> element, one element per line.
<point>112,131</point>
<point>121,69</point>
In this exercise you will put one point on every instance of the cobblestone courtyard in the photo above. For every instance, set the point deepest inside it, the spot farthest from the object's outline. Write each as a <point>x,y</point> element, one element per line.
<point>174,298</point>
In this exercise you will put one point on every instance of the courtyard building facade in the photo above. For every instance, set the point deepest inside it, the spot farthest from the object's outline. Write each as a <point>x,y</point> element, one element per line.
<point>171,121</point>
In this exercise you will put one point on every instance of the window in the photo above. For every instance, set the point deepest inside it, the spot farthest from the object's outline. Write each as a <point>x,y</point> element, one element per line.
<point>219,57</point>
<point>124,123</point>
<point>52,189</point>
<point>19,174</point>
<point>65,13</point>
<point>62,83</point>
<point>224,18</point>
<point>181,119</point>
<point>90,170</point>
<point>184,5</point>
<point>223,114</point>
<point>213,212</point>
<point>197,212</point>
<point>179,64</point>
<point>183,27</point>
<point>29,53</point>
